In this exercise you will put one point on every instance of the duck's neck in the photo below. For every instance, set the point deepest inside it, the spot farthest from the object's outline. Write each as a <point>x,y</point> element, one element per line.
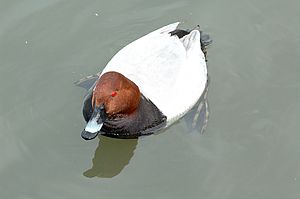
<point>144,121</point>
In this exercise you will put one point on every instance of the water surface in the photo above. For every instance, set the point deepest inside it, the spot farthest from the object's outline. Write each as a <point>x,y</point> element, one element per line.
<point>250,148</point>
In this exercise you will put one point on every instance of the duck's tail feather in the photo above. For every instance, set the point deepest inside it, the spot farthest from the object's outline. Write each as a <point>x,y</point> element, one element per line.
<point>191,40</point>
<point>179,33</point>
<point>205,39</point>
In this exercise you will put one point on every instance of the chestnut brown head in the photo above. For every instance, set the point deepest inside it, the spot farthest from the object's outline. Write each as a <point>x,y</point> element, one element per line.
<point>114,96</point>
<point>119,95</point>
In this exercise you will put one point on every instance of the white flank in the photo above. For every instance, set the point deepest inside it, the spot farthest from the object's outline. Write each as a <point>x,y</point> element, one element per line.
<point>171,72</point>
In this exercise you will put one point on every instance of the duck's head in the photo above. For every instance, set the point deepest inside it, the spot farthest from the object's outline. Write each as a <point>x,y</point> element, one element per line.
<point>113,96</point>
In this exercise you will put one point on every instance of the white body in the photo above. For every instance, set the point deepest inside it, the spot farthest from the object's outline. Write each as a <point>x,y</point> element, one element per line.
<point>171,72</point>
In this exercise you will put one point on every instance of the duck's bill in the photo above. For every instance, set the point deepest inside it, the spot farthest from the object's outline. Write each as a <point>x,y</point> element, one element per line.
<point>95,123</point>
<point>92,129</point>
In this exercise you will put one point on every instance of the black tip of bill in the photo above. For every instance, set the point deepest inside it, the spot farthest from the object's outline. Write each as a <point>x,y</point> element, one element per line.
<point>88,135</point>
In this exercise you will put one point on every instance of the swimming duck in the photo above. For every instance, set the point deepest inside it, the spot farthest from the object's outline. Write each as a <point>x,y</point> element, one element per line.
<point>147,85</point>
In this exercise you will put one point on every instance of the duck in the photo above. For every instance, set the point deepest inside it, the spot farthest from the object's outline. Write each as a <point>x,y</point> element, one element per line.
<point>148,85</point>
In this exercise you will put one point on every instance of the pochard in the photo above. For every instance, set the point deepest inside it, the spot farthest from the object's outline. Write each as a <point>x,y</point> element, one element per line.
<point>148,85</point>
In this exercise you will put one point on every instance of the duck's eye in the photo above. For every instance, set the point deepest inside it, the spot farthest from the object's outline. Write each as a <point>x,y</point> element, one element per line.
<point>114,93</point>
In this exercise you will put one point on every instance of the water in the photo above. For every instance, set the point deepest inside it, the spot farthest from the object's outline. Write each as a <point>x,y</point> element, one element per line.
<point>250,148</point>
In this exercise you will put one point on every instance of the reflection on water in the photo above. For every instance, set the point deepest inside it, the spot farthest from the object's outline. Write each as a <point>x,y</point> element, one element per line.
<point>249,150</point>
<point>111,156</point>
<point>197,118</point>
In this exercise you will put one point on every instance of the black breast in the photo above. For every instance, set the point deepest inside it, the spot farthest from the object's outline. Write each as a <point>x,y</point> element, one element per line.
<point>146,120</point>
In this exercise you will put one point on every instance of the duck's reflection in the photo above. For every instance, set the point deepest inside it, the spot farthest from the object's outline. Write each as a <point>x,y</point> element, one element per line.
<point>111,156</point>
<point>196,119</point>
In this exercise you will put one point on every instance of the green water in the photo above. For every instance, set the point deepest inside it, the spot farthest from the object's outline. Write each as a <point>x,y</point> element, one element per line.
<point>250,148</point>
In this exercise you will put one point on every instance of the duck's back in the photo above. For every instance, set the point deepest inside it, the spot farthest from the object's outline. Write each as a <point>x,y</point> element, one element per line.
<point>171,72</point>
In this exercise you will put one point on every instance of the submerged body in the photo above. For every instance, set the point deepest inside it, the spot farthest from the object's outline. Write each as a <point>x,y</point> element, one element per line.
<point>147,85</point>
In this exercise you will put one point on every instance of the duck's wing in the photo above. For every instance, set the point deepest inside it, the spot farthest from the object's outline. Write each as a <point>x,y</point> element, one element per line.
<point>171,72</point>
